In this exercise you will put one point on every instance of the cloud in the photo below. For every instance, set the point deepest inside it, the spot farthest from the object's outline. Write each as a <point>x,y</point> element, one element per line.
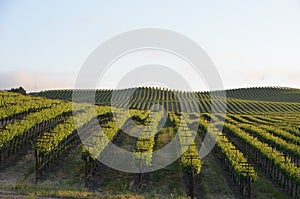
<point>29,80</point>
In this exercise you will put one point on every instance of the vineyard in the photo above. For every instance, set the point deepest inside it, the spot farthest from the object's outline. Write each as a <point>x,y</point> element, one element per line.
<point>243,101</point>
<point>52,147</point>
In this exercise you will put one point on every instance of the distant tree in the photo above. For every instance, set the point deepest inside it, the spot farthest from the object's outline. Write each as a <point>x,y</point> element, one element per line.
<point>20,90</point>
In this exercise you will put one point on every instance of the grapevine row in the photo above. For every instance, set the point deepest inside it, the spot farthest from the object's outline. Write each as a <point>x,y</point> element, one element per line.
<point>241,171</point>
<point>273,162</point>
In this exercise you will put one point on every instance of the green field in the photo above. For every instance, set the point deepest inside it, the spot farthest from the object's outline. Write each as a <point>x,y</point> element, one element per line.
<point>257,152</point>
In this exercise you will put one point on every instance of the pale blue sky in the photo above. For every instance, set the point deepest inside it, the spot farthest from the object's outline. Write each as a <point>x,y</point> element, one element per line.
<point>252,43</point>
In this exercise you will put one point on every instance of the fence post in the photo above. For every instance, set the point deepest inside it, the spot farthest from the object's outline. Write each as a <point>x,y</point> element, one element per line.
<point>37,165</point>
<point>86,166</point>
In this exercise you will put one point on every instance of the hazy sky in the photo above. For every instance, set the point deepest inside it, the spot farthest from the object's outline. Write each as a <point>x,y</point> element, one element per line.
<point>252,43</point>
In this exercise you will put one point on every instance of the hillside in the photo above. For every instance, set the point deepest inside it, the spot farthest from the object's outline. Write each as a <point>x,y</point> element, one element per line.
<point>248,100</point>
<point>49,150</point>
<point>271,94</point>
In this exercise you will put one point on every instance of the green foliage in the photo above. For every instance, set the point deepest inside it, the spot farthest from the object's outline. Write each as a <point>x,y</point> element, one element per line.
<point>19,127</point>
<point>146,142</point>
<point>240,101</point>
<point>20,90</point>
<point>285,165</point>
<point>257,125</point>
<point>227,149</point>
<point>188,149</point>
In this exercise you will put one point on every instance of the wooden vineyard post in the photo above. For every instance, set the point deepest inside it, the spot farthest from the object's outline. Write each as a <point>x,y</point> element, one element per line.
<point>193,185</point>
<point>141,167</point>
<point>37,165</point>
<point>248,172</point>
<point>281,176</point>
<point>192,157</point>
<point>140,176</point>
<point>86,166</point>
<point>0,155</point>
<point>141,151</point>
<point>249,188</point>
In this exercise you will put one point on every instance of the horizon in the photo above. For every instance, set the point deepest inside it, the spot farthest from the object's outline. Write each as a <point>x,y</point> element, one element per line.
<point>252,44</point>
<point>154,87</point>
